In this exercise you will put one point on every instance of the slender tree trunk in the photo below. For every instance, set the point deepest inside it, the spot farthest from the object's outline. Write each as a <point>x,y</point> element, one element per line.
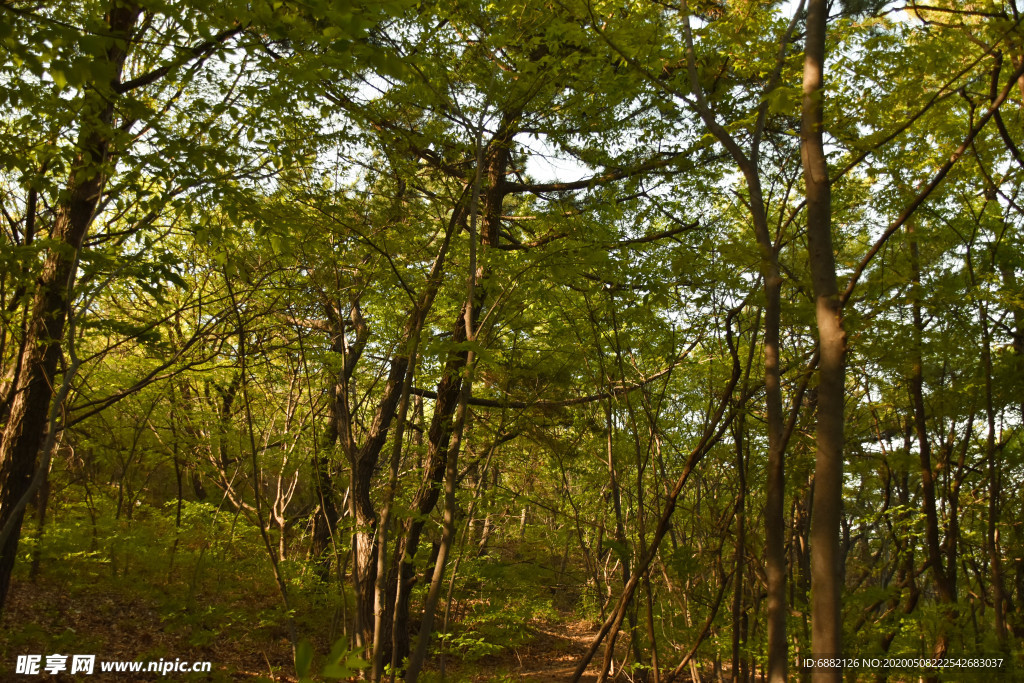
<point>992,450</point>
<point>775,493</point>
<point>403,569</point>
<point>620,527</point>
<point>381,618</point>
<point>774,510</point>
<point>826,573</point>
<point>739,555</point>
<point>943,585</point>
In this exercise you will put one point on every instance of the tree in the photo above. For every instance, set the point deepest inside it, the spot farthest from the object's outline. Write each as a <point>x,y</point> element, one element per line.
<point>467,316</point>
<point>826,574</point>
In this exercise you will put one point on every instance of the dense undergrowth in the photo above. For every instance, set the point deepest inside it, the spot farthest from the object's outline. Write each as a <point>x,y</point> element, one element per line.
<point>146,587</point>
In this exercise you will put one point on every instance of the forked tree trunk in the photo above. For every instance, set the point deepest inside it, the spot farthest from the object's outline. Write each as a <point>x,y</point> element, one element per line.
<point>363,458</point>
<point>771,277</point>
<point>449,390</point>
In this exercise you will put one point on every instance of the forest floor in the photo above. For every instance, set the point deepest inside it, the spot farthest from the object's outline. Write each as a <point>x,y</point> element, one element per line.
<point>45,617</point>
<point>65,615</point>
<point>549,657</point>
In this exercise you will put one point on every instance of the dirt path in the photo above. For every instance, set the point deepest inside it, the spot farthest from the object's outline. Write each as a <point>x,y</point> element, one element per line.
<point>550,657</point>
<point>556,651</point>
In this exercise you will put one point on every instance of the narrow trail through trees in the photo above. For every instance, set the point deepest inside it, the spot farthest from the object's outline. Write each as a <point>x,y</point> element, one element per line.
<point>549,656</point>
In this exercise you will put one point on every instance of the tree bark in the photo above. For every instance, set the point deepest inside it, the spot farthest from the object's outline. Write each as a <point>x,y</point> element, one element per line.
<point>826,581</point>
<point>34,385</point>
<point>739,554</point>
<point>994,466</point>
<point>944,586</point>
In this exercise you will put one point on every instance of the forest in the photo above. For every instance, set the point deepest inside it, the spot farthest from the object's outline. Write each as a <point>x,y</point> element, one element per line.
<point>531,340</point>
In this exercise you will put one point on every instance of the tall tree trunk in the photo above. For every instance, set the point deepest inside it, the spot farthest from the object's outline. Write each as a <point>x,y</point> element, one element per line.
<point>775,486</point>
<point>620,526</point>
<point>739,555</point>
<point>774,509</point>
<point>992,452</point>
<point>403,568</point>
<point>34,385</point>
<point>943,584</point>
<point>826,575</point>
<point>771,277</point>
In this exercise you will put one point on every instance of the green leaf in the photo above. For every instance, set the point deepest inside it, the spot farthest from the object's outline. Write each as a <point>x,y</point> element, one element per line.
<point>352,664</point>
<point>303,658</point>
<point>783,100</point>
